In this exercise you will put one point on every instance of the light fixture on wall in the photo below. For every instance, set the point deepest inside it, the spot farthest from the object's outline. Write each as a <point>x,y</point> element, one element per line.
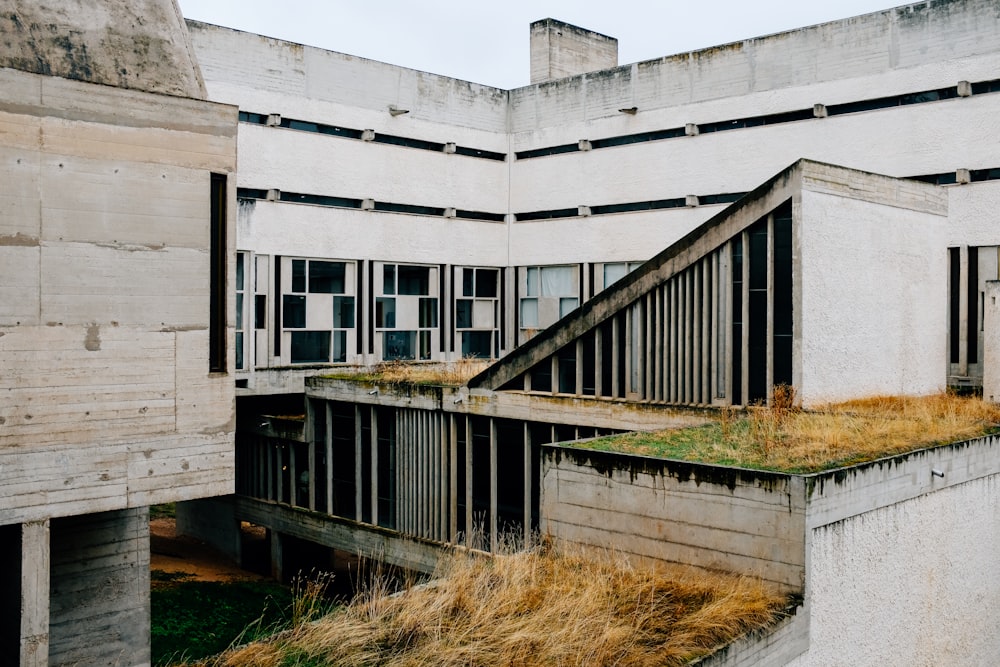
<point>396,111</point>
<point>937,473</point>
<point>631,111</point>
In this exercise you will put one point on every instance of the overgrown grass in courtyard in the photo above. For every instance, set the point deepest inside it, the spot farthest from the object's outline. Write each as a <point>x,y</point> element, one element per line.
<point>452,373</point>
<point>531,608</point>
<point>784,438</point>
<point>195,619</point>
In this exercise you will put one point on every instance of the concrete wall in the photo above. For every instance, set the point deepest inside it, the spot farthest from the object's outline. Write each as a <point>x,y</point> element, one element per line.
<point>871,283</point>
<point>104,322</point>
<point>925,46</point>
<point>559,50</point>
<point>895,553</point>
<point>99,611</point>
<point>713,517</point>
<point>142,44</point>
<point>878,47</point>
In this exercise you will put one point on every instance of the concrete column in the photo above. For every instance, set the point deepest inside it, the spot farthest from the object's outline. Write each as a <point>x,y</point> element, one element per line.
<point>687,320</point>
<point>328,469</point>
<point>358,466</point>
<point>696,318</point>
<point>527,485</point>
<point>468,481</point>
<point>672,372</point>
<point>578,382</point>
<point>35,559</point>
<point>991,342</point>
<point>706,328</point>
<point>494,524</point>
<point>615,356</point>
<point>598,361</point>
<point>453,478</point>
<point>277,555</point>
<point>656,347</point>
<point>374,466</point>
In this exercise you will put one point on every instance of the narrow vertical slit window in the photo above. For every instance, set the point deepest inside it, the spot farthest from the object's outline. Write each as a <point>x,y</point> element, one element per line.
<point>217,269</point>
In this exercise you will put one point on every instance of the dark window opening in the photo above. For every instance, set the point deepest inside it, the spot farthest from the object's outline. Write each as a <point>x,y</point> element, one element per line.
<point>757,317</point>
<point>972,306</point>
<point>294,311</point>
<point>414,280</point>
<point>551,150</point>
<point>310,347</point>
<point>783,316</point>
<point>326,277</point>
<point>476,344</point>
<point>217,269</point>
<point>737,337</point>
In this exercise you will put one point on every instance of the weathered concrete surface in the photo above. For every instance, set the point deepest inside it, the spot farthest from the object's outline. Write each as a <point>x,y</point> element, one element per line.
<point>559,50</point>
<point>366,541</point>
<point>99,612</point>
<point>991,342</point>
<point>140,44</point>
<point>920,530</point>
<point>104,303</point>
<point>711,516</point>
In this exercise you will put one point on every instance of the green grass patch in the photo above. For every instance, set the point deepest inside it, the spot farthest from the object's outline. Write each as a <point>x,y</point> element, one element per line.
<point>195,619</point>
<point>791,440</point>
<point>164,511</point>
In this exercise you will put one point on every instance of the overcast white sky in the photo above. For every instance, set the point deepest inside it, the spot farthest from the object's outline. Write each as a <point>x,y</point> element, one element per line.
<point>487,42</point>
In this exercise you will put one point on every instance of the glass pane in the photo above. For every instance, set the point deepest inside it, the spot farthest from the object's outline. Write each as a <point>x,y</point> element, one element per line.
<point>398,345</point>
<point>340,346</point>
<point>483,314</point>
<point>343,313</point>
<point>298,275</point>
<point>614,272</point>
<point>389,279</point>
<point>310,347</point>
<point>260,311</point>
<point>239,349</point>
<point>467,282</point>
<point>240,259</point>
<point>425,344</point>
<point>428,313</point>
<point>239,311</point>
<point>293,311</point>
<point>326,277</point>
<point>477,344</point>
<point>567,305</point>
<point>463,313</point>
<point>486,283</point>
<point>532,286</point>
<point>414,280</point>
<point>557,281</point>
<point>529,313</point>
<point>385,313</point>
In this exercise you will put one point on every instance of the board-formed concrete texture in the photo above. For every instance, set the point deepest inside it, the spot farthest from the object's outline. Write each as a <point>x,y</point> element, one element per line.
<point>917,530</point>
<point>117,228</point>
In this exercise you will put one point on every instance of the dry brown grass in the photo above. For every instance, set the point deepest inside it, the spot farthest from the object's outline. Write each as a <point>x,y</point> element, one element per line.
<point>531,608</point>
<point>452,373</point>
<point>782,437</point>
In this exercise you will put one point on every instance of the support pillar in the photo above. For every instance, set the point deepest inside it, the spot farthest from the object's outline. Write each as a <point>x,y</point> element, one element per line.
<point>35,559</point>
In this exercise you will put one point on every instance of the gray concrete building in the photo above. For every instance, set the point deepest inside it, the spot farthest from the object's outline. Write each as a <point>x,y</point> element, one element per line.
<point>117,232</point>
<point>630,242</point>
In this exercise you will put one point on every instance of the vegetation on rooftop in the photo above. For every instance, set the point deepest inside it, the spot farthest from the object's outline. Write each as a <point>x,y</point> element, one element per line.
<point>784,438</point>
<point>529,608</point>
<point>452,373</point>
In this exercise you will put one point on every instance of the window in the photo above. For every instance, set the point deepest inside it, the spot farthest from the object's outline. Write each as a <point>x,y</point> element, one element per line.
<point>477,312</point>
<point>318,310</point>
<point>218,248</point>
<point>407,311</point>
<point>615,271</point>
<point>550,293</point>
<point>240,305</point>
